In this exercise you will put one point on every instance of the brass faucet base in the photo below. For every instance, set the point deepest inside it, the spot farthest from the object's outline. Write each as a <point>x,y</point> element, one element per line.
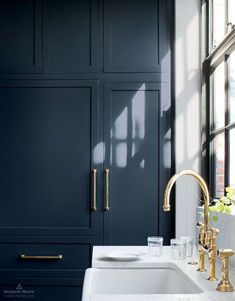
<point>201,270</point>
<point>212,279</point>
<point>224,286</point>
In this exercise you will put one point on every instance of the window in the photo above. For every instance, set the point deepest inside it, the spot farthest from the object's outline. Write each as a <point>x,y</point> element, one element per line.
<point>218,93</point>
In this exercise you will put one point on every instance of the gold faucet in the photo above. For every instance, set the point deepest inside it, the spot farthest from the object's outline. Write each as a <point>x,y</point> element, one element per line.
<point>207,236</point>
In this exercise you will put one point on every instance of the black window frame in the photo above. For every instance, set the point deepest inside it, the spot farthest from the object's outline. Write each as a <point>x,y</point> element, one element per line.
<point>211,58</point>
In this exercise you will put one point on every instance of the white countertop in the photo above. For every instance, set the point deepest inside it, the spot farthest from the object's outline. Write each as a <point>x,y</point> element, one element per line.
<point>208,287</point>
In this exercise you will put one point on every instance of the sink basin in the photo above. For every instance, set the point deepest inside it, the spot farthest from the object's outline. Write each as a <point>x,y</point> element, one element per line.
<point>165,279</point>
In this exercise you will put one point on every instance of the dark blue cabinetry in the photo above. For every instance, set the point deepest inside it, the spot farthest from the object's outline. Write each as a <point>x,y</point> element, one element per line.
<point>71,42</point>
<point>136,147</point>
<point>84,86</point>
<point>135,36</point>
<point>48,131</point>
<point>21,36</point>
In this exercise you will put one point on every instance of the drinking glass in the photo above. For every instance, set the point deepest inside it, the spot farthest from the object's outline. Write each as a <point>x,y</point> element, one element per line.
<point>155,246</point>
<point>189,249</point>
<point>178,248</point>
<point>189,245</point>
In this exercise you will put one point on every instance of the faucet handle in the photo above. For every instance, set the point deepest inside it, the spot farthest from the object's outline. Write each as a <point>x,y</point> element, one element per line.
<point>210,237</point>
<point>226,253</point>
<point>215,231</point>
<point>225,285</point>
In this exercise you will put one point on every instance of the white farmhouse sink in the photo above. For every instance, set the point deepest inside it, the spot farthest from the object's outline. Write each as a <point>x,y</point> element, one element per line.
<point>165,279</point>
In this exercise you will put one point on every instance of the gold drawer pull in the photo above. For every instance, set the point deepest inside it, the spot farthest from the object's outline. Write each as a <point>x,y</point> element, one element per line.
<point>94,173</point>
<point>40,257</point>
<point>107,190</point>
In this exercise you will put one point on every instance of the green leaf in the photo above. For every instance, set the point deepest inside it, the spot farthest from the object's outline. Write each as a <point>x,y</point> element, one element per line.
<point>213,208</point>
<point>230,193</point>
<point>226,201</point>
<point>220,207</point>
<point>227,209</point>
<point>230,189</point>
<point>215,218</point>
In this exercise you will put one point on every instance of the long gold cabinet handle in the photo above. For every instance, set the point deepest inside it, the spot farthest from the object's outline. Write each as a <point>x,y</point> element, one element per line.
<point>106,189</point>
<point>40,257</point>
<point>94,174</point>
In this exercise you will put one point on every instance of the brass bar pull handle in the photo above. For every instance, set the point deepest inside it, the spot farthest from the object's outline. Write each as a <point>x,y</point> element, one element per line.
<point>94,173</point>
<point>107,190</point>
<point>40,257</point>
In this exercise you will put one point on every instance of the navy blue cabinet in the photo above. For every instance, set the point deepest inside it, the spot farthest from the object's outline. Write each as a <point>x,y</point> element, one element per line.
<point>48,131</point>
<point>135,36</point>
<point>71,40</point>
<point>21,36</point>
<point>136,144</point>
<point>86,136</point>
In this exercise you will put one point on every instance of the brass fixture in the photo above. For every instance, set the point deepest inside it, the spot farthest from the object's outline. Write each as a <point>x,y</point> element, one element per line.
<point>107,189</point>
<point>41,257</point>
<point>212,251</point>
<point>201,238</point>
<point>94,173</point>
<point>203,186</point>
<point>207,235</point>
<point>225,285</point>
<point>201,267</point>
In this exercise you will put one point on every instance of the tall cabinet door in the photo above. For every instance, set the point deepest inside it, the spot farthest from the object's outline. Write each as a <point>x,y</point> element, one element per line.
<point>134,138</point>
<point>48,130</point>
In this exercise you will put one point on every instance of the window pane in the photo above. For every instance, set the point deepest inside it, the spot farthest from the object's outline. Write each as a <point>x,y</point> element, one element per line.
<point>232,158</point>
<point>231,86</point>
<point>231,11</point>
<point>219,164</point>
<point>219,97</point>
<point>218,21</point>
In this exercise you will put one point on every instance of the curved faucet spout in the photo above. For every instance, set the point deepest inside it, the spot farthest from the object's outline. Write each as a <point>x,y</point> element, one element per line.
<point>202,183</point>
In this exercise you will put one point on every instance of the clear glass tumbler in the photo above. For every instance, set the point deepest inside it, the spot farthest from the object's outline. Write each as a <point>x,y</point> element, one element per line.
<point>178,249</point>
<point>155,246</point>
<point>189,249</point>
<point>189,245</point>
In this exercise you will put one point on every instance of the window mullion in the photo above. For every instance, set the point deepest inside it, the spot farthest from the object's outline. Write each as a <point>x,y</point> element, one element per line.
<point>210,92</point>
<point>226,14</point>
<point>227,151</point>
<point>210,25</point>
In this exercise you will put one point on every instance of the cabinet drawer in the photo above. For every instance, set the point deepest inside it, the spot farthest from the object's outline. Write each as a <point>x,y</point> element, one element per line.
<point>73,260</point>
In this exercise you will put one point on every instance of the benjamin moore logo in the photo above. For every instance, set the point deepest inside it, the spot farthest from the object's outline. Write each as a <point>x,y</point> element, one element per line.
<point>18,292</point>
<point>19,287</point>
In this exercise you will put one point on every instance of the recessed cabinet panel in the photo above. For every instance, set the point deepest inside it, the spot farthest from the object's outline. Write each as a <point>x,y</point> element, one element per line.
<point>21,36</point>
<point>72,36</point>
<point>132,129</point>
<point>133,41</point>
<point>47,134</point>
